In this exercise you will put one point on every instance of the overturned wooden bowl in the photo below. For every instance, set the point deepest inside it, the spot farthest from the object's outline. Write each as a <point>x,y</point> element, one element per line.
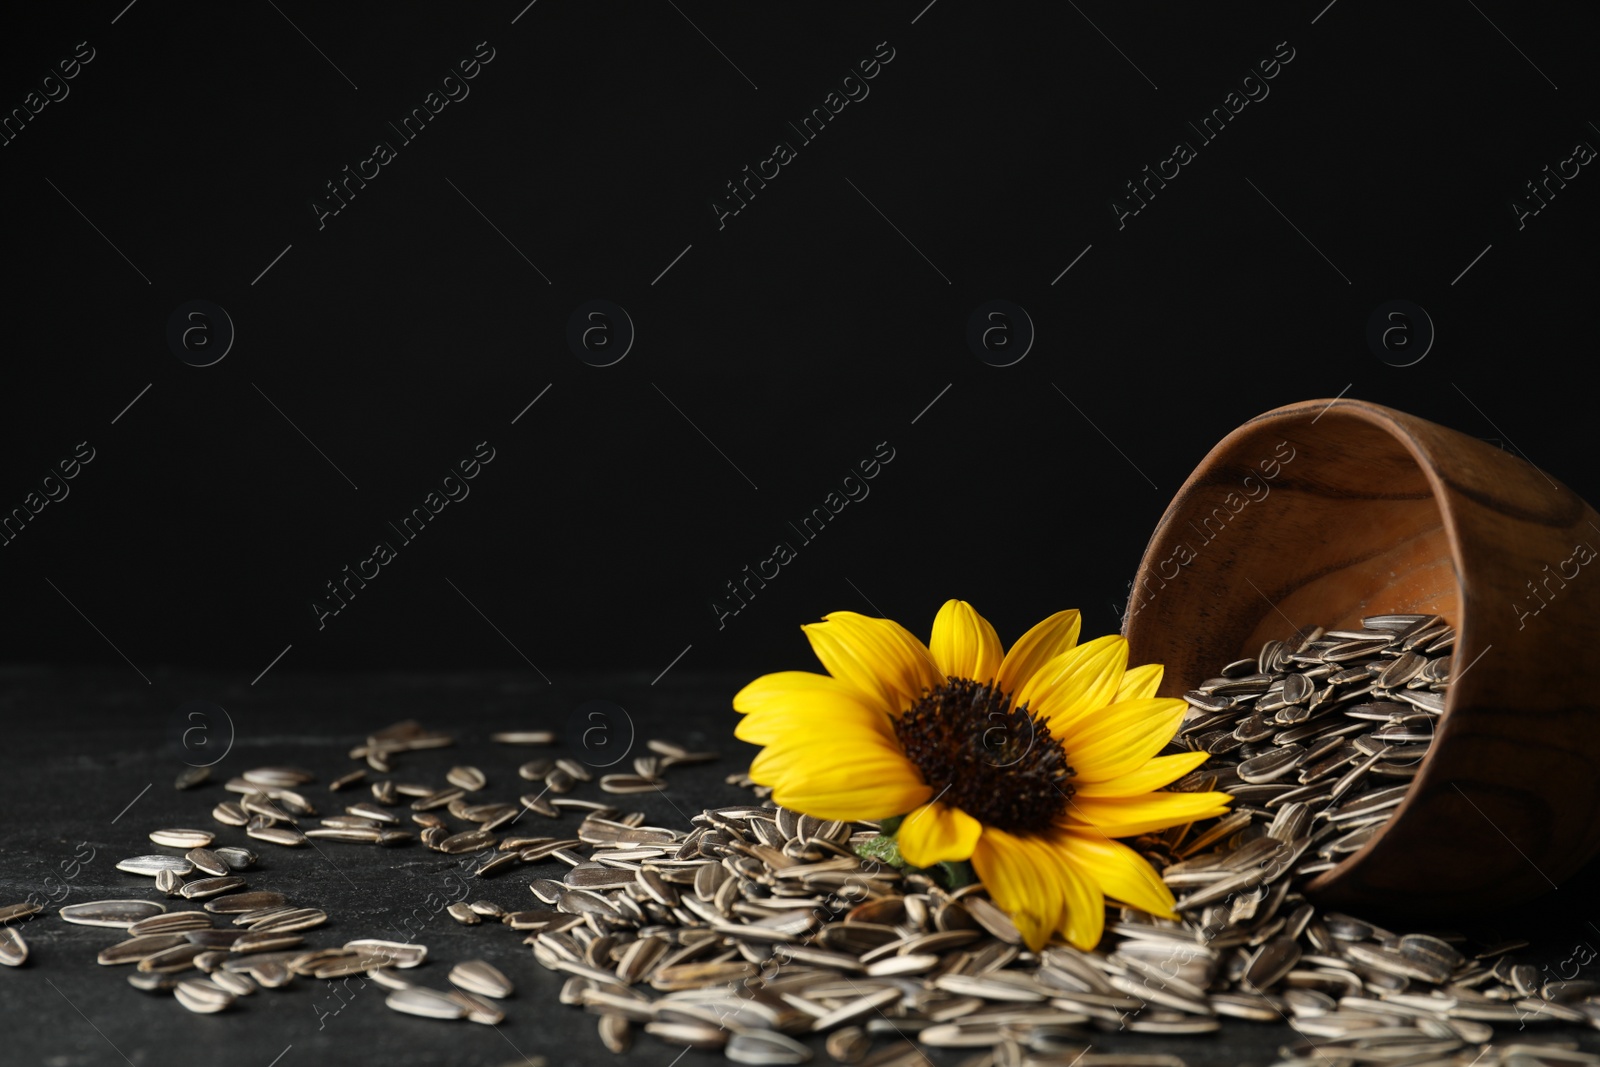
<point>1317,514</point>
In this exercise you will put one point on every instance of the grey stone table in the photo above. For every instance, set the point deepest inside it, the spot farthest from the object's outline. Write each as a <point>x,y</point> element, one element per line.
<point>89,760</point>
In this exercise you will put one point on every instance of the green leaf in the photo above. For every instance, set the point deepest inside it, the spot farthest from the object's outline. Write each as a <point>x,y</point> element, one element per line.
<point>890,826</point>
<point>882,848</point>
<point>953,874</point>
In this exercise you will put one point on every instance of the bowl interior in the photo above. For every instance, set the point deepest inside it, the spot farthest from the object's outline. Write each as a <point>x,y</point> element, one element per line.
<point>1290,523</point>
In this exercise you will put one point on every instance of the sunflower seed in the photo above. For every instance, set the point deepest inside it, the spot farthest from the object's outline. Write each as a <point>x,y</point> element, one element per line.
<point>476,976</point>
<point>190,777</point>
<point>536,802</point>
<point>255,916</point>
<point>169,923</point>
<point>179,957</point>
<point>479,1010</point>
<point>388,978</point>
<point>469,841</point>
<point>347,779</point>
<point>135,949</point>
<point>152,865</point>
<point>240,903</point>
<point>212,938</point>
<point>630,783</point>
<point>692,1034</point>
<point>118,914</point>
<point>400,954</point>
<point>535,770</point>
<point>239,985</point>
<point>1272,764</point>
<point>203,996</point>
<point>523,737</point>
<point>765,1047</point>
<point>599,876</point>
<point>255,940</point>
<point>229,813</point>
<point>469,778</point>
<point>848,1044</point>
<point>263,805</point>
<point>437,799</point>
<point>415,1000</point>
<point>13,949</point>
<point>293,919</point>
<point>615,1033</point>
<point>994,920</point>
<point>207,861</point>
<point>363,810</point>
<point>284,777</point>
<point>12,912</point>
<point>356,836</point>
<point>278,835</point>
<point>344,965</point>
<point>211,887</point>
<point>1271,962</point>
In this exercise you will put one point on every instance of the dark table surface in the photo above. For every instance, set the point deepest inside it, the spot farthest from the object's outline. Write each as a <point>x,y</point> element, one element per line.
<point>89,763</point>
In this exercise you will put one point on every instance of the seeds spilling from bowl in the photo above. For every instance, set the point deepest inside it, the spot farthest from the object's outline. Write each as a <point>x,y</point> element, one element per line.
<point>1328,730</point>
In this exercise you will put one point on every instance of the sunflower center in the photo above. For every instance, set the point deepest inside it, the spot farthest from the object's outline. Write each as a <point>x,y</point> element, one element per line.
<point>995,762</point>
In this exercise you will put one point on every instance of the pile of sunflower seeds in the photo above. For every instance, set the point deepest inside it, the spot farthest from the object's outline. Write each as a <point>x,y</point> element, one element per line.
<point>761,926</point>
<point>266,949</point>
<point>758,927</point>
<point>1329,730</point>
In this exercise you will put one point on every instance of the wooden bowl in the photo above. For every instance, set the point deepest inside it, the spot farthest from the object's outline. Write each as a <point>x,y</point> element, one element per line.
<point>1316,514</point>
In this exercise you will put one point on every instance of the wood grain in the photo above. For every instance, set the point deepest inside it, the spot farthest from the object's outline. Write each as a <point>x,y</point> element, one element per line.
<point>1378,511</point>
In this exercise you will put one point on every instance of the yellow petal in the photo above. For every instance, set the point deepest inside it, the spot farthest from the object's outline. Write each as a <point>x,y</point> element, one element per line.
<point>1161,771</point>
<point>1083,912</point>
<point>849,785</point>
<point>1120,872</point>
<point>1031,896</point>
<point>877,657</point>
<point>1037,647</point>
<point>964,645</point>
<point>786,689</point>
<point>1078,681</point>
<point>815,717</point>
<point>935,833</point>
<point>849,804</point>
<point>1138,682</point>
<point>1120,739</point>
<point>807,754</point>
<point>1130,816</point>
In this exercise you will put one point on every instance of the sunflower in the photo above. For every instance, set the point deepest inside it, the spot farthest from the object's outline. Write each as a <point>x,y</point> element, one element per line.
<point>1027,763</point>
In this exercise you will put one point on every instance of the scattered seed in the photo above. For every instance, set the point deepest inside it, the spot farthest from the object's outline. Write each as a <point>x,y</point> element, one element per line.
<point>13,949</point>
<point>203,996</point>
<point>428,1003</point>
<point>119,914</point>
<point>523,737</point>
<point>207,861</point>
<point>152,865</point>
<point>182,838</point>
<point>469,778</point>
<point>190,777</point>
<point>476,976</point>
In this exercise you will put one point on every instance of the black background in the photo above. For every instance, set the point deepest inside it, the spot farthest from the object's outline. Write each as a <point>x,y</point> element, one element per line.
<point>772,355</point>
<point>796,338</point>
